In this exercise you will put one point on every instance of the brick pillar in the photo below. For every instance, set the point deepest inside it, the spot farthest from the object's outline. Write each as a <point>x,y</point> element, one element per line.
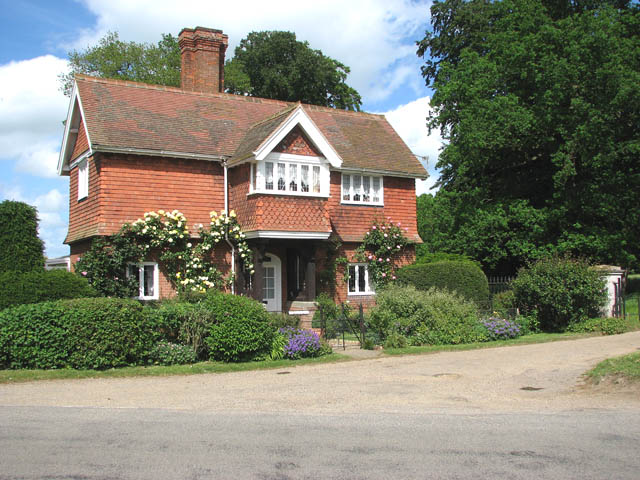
<point>202,51</point>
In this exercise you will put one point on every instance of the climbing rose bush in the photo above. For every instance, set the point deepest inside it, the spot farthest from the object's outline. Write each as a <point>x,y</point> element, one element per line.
<point>380,247</point>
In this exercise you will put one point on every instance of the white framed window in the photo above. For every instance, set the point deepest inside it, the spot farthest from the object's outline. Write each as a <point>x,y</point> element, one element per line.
<point>147,273</point>
<point>362,189</point>
<point>286,174</point>
<point>83,179</point>
<point>359,280</point>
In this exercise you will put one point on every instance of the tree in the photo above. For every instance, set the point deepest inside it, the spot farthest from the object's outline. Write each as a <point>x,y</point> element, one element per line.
<point>20,248</point>
<point>140,62</point>
<point>539,102</point>
<point>266,64</point>
<point>273,64</point>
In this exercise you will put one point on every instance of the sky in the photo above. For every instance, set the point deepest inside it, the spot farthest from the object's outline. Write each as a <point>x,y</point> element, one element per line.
<point>375,38</point>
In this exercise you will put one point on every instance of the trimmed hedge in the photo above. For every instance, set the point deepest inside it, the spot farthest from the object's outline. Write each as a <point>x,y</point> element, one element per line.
<point>41,286</point>
<point>87,333</point>
<point>462,277</point>
<point>242,329</point>
<point>560,291</point>
<point>21,250</point>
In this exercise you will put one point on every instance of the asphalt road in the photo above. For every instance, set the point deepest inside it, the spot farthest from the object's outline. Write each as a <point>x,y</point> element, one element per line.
<point>516,413</point>
<point>99,443</point>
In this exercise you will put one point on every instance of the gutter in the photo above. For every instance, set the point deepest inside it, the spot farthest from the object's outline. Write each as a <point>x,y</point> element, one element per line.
<point>158,153</point>
<point>226,235</point>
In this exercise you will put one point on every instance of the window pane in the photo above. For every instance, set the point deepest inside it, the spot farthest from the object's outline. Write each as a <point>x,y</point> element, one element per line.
<point>268,288</point>
<point>316,179</point>
<point>362,278</point>
<point>352,278</point>
<point>282,183</point>
<point>346,185</point>
<point>268,173</point>
<point>293,177</point>
<point>304,178</point>
<point>376,189</point>
<point>148,284</point>
<point>356,188</point>
<point>366,197</point>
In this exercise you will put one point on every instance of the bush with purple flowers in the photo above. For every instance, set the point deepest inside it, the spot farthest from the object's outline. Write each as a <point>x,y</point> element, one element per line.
<point>501,329</point>
<point>300,343</point>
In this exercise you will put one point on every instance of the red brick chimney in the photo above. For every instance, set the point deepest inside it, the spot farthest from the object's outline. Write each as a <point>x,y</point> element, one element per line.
<point>202,50</point>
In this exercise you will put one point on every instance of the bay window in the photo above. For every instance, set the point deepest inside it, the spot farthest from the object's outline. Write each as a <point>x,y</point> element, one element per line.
<point>283,175</point>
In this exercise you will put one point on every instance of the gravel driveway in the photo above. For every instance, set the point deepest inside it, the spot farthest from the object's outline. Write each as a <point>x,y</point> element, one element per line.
<point>541,377</point>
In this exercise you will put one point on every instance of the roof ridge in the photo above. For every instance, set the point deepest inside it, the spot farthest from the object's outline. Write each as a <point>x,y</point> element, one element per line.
<point>227,96</point>
<point>286,110</point>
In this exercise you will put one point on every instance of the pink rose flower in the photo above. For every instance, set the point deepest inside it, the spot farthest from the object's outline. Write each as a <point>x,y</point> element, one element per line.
<point>84,274</point>
<point>394,277</point>
<point>385,235</point>
<point>373,228</point>
<point>384,274</point>
<point>388,260</point>
<point>370,257</point>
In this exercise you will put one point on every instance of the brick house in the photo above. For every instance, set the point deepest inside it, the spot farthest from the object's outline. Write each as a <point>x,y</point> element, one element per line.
<point>301,178</point>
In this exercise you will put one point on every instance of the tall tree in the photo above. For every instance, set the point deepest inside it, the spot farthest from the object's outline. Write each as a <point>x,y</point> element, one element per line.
<point>539,101</point>
<point>140,62</point>
<point>21,250</point>
<point>273,64</point>
<point>266,64</point>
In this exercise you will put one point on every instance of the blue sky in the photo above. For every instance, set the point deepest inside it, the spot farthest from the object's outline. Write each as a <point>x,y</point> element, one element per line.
<point>375,38</point>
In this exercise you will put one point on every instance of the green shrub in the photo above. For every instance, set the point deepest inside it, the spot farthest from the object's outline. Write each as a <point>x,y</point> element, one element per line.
<point>168,353</point>
<point>20,248</point>
<point>282,320</point>
<point>88,333</point>
<point>434,317</point>
<point>562,291</point>
<point>277,346</point>
<point>504,302</point>
<point>528,323</point>
<point>242,329</point>
<point>463,277</point>
<point>395,340</point>
<point>331,313</point>
<point>606,326</point>
<point>429,257</point>
<point>41,286</point>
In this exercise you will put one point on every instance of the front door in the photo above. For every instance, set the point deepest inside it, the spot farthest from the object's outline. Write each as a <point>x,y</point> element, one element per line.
<point>272,283</point>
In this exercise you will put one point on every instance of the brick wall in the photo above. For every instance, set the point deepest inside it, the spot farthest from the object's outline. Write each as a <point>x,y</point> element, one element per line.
<point>350,222</point>
<point>297,143</point>
<point>202,59</point>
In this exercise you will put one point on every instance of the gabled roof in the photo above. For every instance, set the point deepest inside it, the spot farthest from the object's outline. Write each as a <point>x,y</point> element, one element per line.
<point>121,116</point>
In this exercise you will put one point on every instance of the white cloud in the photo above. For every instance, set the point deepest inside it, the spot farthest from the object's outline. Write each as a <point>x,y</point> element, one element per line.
<point>375,38</point>
<point>410,122</point>
<point>31,113</point>
<point>52,212</point>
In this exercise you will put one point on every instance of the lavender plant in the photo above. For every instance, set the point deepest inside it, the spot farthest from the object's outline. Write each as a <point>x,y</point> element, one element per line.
<point>300,343</point>
<point>501,329</point>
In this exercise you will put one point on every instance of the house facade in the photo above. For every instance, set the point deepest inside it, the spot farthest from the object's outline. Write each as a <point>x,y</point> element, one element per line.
<point>306,182</point>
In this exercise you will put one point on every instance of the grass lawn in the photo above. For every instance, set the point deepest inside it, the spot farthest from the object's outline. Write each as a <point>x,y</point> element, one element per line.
<point>627,366</point>
<point>9,376</point>
<point>631,306</point>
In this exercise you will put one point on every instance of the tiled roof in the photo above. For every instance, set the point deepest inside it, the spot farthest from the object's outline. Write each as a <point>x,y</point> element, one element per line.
<point>129,115</point>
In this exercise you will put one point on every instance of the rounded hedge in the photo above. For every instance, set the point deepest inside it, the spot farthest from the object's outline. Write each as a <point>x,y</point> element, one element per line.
<point>21,250</point>
<point>242,329</point>
<point>462,277</point>
<point>87,333</point>
<point>42,286</point>
<point>561,291</point>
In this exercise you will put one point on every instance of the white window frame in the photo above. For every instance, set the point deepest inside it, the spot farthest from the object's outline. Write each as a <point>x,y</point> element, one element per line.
<point>361,189</point>
<point>83,179</point>
<point>156,283</point>
<point>257,183</point>
<point>368,285</point>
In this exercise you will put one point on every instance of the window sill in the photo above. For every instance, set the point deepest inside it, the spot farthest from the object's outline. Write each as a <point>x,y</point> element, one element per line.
<point>360,294</point>
<point>361,204</point>
<point>289,194</point>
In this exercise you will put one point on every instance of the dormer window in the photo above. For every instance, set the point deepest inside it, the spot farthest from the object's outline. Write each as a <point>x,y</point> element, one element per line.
<point>286,174</point>
<point>362,189</point>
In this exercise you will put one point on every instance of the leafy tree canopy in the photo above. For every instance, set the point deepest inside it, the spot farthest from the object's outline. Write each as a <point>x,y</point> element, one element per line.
<point>266,64</point>
<point>274,64</point>
<point>20,248</point>
<point>140,62</point>
<point>539,101</point>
